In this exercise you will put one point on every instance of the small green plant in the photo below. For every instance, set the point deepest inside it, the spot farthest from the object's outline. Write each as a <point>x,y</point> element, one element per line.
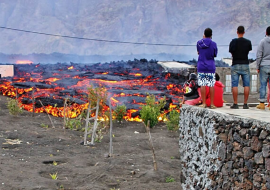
<point>44,125</point>
<point>173,121</point>
<point>120,112</point>
<point>74,123</point>
<point>170,179</point>
<point>172,157</point>
<point>99,135</point>
<point>151,111</point>
<point>99,132</point>
<point>61,187</point>
<point>14,107</point>
<point>55,163</point>
<point>54,176</point>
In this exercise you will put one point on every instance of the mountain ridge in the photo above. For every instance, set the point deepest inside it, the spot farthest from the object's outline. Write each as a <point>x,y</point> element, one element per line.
<point>150,21</point>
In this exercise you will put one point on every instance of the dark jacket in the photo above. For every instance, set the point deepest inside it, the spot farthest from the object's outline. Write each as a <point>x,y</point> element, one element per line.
<point>191,90</point>
<point>239,48</point>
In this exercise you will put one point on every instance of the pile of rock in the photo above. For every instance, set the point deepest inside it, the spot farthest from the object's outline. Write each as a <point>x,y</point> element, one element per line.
<point>221,151</point>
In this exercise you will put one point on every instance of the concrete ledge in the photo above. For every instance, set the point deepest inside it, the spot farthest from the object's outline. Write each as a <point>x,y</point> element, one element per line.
<point>223,151</point>
<point>251,113</point>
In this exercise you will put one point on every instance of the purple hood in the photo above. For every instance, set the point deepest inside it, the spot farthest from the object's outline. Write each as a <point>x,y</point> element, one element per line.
<point>207,50</point>
<point>204,43</point>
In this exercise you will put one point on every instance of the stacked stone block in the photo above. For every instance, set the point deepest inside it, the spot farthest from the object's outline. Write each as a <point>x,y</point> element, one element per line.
<point>223,152</point>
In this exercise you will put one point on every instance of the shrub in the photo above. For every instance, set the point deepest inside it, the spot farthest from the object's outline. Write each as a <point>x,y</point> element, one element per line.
<point>14,107</point>
<point>74,124</point>
<point>149,113</point>
<point>95,93</point>
<point>151,110</point>
<point>120,112</point>
<point>173,121</point>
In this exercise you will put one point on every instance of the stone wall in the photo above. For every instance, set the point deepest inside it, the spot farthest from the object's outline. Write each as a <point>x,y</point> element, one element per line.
<point>223,152</point>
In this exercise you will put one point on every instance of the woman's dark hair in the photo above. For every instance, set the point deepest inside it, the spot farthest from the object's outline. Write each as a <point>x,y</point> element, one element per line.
<point>192,76</point>
<point>217,77</point>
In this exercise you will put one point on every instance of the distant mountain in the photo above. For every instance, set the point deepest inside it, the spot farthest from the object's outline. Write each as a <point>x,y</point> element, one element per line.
<point>90,59</point>
<point>145,21</point>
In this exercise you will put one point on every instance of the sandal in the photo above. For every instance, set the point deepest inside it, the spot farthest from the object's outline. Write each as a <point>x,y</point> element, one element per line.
<point>203,106</point>
<point>213,107</point>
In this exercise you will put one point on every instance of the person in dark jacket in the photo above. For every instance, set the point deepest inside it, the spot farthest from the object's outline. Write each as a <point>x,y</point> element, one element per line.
<point>239,48</point>
<point>192,92</point>
<point>207,50</point>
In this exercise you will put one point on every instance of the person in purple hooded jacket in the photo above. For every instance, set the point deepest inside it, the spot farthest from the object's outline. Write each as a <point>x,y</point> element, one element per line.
<point>207,50</point>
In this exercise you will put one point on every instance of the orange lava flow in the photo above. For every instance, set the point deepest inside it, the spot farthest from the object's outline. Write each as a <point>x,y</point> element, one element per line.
<point>136,74</point>
<point>29,94</point>
<point>24,62</point>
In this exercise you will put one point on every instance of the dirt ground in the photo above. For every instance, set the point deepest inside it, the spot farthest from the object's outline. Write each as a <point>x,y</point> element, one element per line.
<point>30,154</point>
<point>29,151</point>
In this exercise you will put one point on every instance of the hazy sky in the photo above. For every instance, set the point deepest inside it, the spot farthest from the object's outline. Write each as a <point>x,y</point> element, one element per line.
<point>175,22</point>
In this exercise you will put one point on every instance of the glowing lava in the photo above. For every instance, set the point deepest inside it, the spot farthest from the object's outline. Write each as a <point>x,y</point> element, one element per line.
<point>24,62</point>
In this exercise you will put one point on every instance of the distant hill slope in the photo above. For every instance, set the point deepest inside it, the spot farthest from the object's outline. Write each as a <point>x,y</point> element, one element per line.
<point>151,21</point>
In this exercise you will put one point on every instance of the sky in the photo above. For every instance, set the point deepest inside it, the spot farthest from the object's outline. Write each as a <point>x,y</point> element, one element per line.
<point>131,27</point>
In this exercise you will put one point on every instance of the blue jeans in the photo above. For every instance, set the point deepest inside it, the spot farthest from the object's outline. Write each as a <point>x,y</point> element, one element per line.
<point>264,76</point>
<point>240,70</point>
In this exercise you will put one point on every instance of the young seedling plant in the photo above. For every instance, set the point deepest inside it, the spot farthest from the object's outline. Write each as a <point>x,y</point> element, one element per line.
<point>54,176</point>
<point>170,179</point>
<point>14,107</point>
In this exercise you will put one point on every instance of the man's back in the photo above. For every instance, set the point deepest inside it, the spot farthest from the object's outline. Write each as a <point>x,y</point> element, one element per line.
<point>263,52</point>
<point>239,48</point>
